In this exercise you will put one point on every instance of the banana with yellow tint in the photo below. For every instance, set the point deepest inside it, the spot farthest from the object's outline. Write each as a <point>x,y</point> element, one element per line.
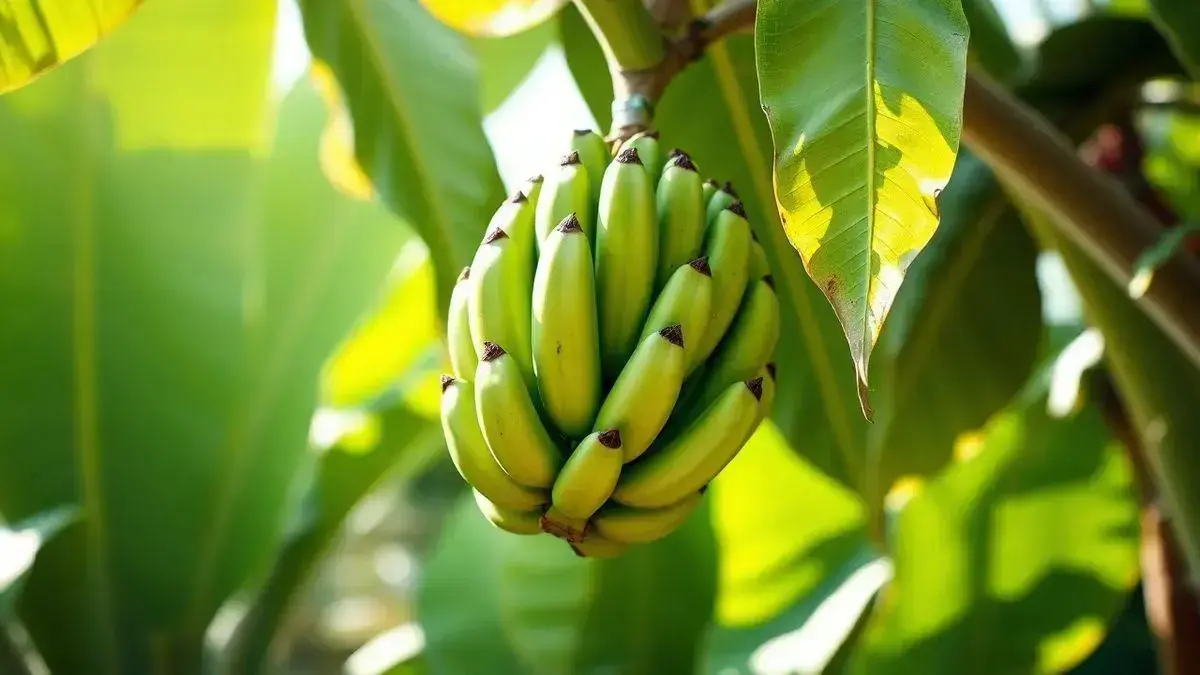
<point>645,393</point>
<point>509,422</point>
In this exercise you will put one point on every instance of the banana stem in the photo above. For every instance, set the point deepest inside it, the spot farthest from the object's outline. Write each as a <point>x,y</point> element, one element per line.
<point>626,32</point>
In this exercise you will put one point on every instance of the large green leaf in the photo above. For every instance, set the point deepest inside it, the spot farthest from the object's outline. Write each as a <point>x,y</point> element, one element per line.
<point>1015,559</point>
<point>865,105</point>
<point>1157,383</point>
<point>410,84</point>
<point>964,334</point>
<point>500,603</point>
<point>788,538</point>
<point>19,544</point>
<point>494,18</point>
<point>178,297</point>
<point>1177,20</point>
<point>38,35</point>
<point>397,443</point>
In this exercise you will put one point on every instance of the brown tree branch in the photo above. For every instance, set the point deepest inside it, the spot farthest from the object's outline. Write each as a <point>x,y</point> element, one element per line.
<point>1091,209</point>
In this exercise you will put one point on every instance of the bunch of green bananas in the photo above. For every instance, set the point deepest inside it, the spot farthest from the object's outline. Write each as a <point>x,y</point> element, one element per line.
<point>610,345</point>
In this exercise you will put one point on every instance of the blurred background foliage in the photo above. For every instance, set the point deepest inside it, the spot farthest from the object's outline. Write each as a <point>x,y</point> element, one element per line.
<point>224,266</point>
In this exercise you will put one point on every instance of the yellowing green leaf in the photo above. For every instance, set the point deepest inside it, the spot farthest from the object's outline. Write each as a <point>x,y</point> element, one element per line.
<point>494,18</point>
<point>864,99</point>
<point>37,35</point>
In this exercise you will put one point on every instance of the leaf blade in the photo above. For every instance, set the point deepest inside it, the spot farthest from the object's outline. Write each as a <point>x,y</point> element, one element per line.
<point>859,162</point>
<point>493,18</point>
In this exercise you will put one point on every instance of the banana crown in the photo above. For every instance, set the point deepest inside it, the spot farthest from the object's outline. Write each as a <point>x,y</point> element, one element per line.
<point>591,327</point>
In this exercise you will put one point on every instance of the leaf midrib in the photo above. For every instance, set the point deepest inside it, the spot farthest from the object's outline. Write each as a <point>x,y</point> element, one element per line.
<point>862,358</point>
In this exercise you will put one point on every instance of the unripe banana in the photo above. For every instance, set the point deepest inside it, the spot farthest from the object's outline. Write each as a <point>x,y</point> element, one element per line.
<point>691,460</point>
<point>598,547</point>
<point>758,266</point>
<point>749,344</point>
<point>629,525</point>
<point>589,476</point>
<point>644,394</point>
<point>501,285</point>
<point>566,342</point>
<point>509,422</point>
<point>626,257</point>
<point>533,188</point>
<point>594,154</point>
<point>509,520</point>
<point>470,453</point>
<point>707,191</point>
<point>646,144</point>
<point>556,523</point>
<point>728,247</point>
<point>680,218</point>
<point>686,300</point>
<point>567,191</point>
<point>722,199</point>
<point>463,358</point>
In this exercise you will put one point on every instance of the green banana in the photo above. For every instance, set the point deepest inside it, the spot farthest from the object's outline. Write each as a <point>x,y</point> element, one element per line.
<point>501,284</point>
<point>470,453</point>
<point>695,457</point>
<point>749,344</point>
<point>598,547</point>
<point>509,520</point>
<point>510,423</point>
<point>758,266</point>
<point>594,154</point>
<point>589,476</point>
<point>629,525</point>
<point>646,144</point>
<point>463,358</point>
<point>644,394</point>
<point>556,523</point>
<point>626,256</point>
<point>707,191</point>
<point>687,301</point>
<point>533,188</point>
<point>566,342</point>
<point>567,192</point>
<point>680,217</point>
<point>728,247</point>
<point>722,199</point>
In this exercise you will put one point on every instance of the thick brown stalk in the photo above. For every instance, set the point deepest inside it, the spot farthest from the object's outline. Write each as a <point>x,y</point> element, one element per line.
<point>1091,209</point>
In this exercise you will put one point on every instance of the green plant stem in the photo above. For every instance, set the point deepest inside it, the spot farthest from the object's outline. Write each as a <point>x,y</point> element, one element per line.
<point>1092,210</point>
<point>626,32</point>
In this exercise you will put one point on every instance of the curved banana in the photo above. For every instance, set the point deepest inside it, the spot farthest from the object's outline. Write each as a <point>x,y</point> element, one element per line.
<point>556,523</point>
<point>748,345</point>
<point>463,358</point>
<point>598,547</point>
<point>589,476</point>
<point>728,247</point>
<point>680,217</point>
<point>629,525</point>
<point>470,453</point>
<point>566,341</point>
<point>695,457</point>
<point>758,265</point>
<point>509,520</point>
<point>567,192</point>
<point>533,188</point>
<point>594,154</point>
<point>501,285</point>
<point>644,394</point>
<point>509,422</point>
<point>626,256</point>
<point>686,300</point>
<point>646,144</point>
<point>722,199</point>
<point>707,191</point>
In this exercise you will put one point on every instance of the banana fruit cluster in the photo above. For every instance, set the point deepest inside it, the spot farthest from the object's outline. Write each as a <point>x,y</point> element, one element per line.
<point>611,345</point>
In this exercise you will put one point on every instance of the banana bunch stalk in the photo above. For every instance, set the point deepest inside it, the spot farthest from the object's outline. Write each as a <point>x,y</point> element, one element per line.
<point>611,344</point>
